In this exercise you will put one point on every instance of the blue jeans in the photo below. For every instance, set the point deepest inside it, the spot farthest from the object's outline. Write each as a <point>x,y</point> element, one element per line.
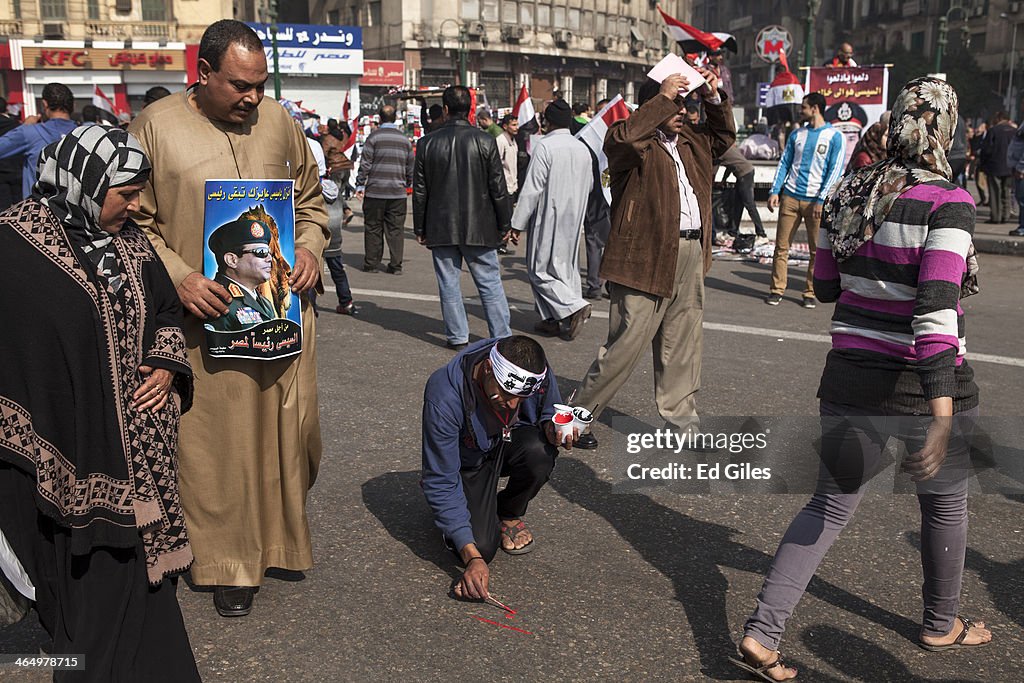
<point>483,266</point>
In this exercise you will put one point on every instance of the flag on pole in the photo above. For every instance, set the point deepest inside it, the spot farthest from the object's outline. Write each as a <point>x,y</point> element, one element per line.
<point>784,94</point>
<point>523,109</point>
<point>593,135</point>
<point>692,39</point>
<point>105,105</point>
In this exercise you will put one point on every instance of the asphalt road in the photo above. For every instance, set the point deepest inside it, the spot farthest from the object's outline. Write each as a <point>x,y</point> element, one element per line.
<point>649,585</point>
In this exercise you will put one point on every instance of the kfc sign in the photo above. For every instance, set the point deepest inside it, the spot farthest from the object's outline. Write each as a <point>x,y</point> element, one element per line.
<point>103,59</point>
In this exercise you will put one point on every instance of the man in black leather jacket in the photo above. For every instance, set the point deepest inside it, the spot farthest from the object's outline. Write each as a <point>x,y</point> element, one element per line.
<point>462,212</point>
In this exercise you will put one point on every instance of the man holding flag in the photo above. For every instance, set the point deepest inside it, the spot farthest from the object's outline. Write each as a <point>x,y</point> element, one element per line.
<point>660,246</point>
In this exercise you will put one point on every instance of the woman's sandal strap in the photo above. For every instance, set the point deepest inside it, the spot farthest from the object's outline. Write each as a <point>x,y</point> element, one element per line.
<point>963,634</point>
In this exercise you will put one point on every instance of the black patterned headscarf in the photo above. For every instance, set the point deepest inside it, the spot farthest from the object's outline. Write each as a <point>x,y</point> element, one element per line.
<point>75,174</point>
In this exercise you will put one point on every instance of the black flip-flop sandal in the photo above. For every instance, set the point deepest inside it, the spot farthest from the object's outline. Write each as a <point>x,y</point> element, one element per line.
<point>956,644</point>
<point>511,532</point>
<point>760,671</point>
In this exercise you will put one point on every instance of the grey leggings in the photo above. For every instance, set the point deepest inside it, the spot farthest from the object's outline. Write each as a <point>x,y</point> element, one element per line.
<point>853,451</point>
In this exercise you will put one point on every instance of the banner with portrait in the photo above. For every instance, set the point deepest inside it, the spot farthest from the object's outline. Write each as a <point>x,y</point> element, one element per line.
<point>249,249</point>
<point>855,97</point>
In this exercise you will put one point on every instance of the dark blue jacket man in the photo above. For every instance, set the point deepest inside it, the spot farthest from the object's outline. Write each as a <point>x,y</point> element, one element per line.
<point>487,414</point>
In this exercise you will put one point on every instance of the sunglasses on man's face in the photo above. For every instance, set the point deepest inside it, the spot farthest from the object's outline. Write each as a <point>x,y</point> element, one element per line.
<point>260,252</point>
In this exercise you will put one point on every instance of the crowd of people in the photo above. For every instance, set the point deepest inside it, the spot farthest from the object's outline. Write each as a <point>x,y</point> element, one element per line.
<point>111,491</point>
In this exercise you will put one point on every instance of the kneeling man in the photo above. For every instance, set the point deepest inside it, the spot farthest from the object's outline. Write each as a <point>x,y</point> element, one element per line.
<point>487,414</point>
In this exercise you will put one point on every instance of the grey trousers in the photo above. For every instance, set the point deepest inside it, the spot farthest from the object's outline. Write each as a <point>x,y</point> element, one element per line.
<point>853,451</point>
<point>670,327</point>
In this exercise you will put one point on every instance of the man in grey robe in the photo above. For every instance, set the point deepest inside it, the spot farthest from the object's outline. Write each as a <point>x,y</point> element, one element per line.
<point>551,209</point>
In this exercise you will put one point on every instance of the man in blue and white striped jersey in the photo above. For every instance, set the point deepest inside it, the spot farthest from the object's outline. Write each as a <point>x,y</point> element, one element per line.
<point>810,166</point>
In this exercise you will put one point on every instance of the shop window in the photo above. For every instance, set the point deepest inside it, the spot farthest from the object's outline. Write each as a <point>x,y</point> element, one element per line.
<point>543,16</point>
<point>154,10</point>
<point>574,20</point>
<point>490,10</point>
<point>471,9</point>
<point>53,9</point>
<point>526,14</point>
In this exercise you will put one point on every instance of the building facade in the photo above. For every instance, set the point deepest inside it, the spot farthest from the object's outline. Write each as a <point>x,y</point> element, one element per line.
<point>122,46</point>
<point>585,49</point>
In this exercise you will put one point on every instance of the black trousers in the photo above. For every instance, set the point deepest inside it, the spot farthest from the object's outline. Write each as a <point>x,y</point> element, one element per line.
<point>595,236</point>
<point>384,219</point>
<point>98,605</point>
<point>743,198</point>
<point>527,461</point>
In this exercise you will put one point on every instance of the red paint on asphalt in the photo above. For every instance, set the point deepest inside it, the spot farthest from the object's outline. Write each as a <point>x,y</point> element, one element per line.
<point>511,628</point>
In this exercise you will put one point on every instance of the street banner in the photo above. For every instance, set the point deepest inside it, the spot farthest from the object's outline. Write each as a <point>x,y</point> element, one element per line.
<point>593,135</point>
<point>855,97</point>
<point>249,249</point>
<point>312,49</point>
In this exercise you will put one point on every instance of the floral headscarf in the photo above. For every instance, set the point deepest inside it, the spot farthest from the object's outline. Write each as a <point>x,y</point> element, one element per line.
<point>920,134</point>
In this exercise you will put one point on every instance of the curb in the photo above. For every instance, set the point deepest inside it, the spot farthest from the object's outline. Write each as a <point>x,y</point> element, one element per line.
<point>1009,246</point>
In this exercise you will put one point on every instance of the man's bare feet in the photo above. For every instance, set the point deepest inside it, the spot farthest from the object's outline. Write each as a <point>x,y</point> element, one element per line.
<point>513,539</point>
<point>976,635</point>
<point>757,655</point>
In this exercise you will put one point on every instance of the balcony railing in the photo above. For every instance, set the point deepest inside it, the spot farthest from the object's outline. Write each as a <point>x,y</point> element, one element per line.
<point>152,30</point>
<point>10,27</point>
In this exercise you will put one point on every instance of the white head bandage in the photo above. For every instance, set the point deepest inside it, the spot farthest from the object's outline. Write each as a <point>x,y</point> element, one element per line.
<point>513,378</point>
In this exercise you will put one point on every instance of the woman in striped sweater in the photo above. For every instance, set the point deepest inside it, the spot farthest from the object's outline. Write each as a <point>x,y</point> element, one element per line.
<point>895,254</point>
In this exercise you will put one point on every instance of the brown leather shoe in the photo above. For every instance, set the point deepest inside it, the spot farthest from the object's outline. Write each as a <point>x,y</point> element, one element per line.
<point>574,323</point>
<point>549,327</point>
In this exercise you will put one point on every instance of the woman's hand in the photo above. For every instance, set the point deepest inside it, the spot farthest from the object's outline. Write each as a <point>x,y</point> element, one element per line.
<point>152,394</point>
<point>925,464</point>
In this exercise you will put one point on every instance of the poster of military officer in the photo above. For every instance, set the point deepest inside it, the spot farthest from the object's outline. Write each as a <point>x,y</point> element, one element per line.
<point>249,234</point>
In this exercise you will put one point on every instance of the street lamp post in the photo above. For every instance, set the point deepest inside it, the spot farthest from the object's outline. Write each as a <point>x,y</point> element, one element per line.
<point>812,11</point>
<point>463,39</point>
<point>940,46</point>
<point>1013,60</point>
<point>272,6</point>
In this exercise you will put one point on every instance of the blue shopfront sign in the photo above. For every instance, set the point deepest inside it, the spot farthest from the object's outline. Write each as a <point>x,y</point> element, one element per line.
<point>313,49</point>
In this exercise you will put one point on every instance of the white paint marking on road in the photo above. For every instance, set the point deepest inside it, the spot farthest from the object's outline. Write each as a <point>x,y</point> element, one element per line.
<point>717,327</point>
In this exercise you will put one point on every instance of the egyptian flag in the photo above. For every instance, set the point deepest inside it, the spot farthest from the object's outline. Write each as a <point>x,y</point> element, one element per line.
<point>784,94</point>
<point>523,109</point>
<point>692,39</point>
<point>105,105</point>
<point>593,134</point>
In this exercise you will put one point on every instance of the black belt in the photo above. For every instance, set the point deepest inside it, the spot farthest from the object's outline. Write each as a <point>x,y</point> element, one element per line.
<point>693,234</point>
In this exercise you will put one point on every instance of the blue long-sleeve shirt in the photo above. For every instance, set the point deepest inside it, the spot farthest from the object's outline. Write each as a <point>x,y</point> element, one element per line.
<point>811,163</point>
<point>1015,154</point>
<point>455,436</point>
<point>30,141</point>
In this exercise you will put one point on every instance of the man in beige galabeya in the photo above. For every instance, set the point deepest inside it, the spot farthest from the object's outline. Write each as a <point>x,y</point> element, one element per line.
<point>250,447</point>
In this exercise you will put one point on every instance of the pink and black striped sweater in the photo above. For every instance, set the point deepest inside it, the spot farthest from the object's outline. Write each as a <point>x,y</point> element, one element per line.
<point>898,330</point>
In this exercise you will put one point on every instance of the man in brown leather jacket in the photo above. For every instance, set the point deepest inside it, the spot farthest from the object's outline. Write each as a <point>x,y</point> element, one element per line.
<point>660,246</point>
